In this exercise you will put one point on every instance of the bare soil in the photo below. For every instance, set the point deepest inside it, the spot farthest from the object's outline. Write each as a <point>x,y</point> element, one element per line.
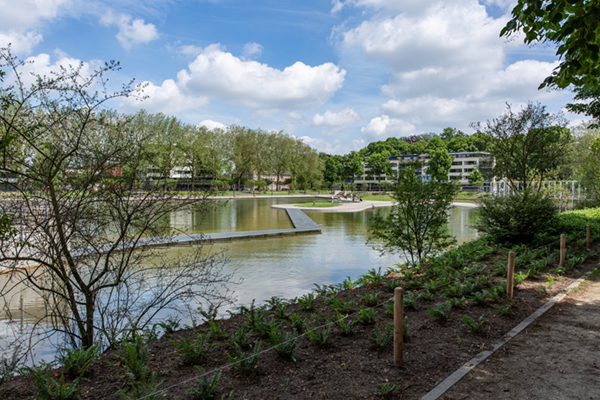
<point>350,367</point>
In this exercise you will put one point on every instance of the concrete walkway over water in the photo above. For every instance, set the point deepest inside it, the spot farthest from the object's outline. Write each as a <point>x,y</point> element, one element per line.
<point>351,206</point>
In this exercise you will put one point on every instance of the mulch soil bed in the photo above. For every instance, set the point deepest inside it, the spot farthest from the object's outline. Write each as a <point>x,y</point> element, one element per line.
<point>347,368</point>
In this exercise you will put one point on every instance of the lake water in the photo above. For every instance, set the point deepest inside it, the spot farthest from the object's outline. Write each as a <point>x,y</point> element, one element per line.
<point>284,266</point>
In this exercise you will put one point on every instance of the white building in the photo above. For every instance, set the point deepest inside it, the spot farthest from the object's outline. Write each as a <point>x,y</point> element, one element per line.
<point>463,164</point>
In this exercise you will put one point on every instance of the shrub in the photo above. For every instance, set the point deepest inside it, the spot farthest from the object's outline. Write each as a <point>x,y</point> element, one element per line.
<point>286,343</point>
<point>49,388</point>
<point>441,311</point>
<point>76,361</point>
<point>515,218</point>
<point>367,316</point>
<point>245,362</point>
<point>194,352</point>
<point>320,336</point>
<point>206,387</point>
<point>379,337</point>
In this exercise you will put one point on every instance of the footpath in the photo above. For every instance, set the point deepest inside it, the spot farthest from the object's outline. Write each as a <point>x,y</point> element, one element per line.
<point>556,357</point>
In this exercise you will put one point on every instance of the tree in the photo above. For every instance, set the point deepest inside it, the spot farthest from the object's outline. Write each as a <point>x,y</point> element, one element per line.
<point>475,178</point>
<point>241,152</point>
<point>379,164</point>
<point>333,168</point>
<point>573,26</point>
<point>85,216</point>
<point>353,165</point>
<point>439,164</point>
<point>416,223</point>
<point>526,145</point>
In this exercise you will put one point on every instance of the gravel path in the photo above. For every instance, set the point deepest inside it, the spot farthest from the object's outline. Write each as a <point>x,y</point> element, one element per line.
<point>557,357</point>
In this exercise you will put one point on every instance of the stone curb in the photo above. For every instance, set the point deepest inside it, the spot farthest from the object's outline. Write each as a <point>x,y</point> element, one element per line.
<point>450,381</point>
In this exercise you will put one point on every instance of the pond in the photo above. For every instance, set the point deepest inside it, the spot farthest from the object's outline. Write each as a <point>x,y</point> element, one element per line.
<point>283,266</point>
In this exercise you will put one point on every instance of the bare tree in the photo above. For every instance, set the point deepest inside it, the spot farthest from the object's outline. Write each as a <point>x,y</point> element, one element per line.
<point>84,222</point>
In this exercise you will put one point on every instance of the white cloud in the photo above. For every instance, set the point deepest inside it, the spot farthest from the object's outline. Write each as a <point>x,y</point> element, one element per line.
<point>294,115</point>
<point>403,5</point>
<point>131,32</point>
<point>336,146</point>
<point>342,119</point>
<point>41,65</point>
<point>252,50</point>
<point>211,125</point>
<point>221,75</point>
<point>380,128</point>
<point>22,15</point>
<point>19,21</point>
<point>20,42</point>
<point>166,98</point>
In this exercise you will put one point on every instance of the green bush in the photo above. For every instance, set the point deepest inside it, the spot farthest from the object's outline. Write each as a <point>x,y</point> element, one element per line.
<point>515,218</point>
<point>76,361</point>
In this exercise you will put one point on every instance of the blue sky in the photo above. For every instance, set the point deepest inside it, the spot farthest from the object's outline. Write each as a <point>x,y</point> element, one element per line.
<point>338,74</point>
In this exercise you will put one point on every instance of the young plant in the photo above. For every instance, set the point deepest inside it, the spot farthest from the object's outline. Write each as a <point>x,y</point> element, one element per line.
<point>456,302</point>
<point>479,297</point>
<point>410,301</point>
<point>206,386</point>
<point>320,336</point>
<point>476,326</point>
<point>349,284</point>
<point>286,343</point>
<point>393,284</point>
<point>345,327</point>
<point>379,338</point>
<point>134,360</point>
<point>215,329</point>
<point>426,295</point>
<point>385,389</point>
<point>506,310</point>
<point>194,352</point>
<point>212,311</point>
<point>367,316</point>
<point>307,302</point>
<point>245,362</point>
<point>371,299</point>
<point>440,311</point>
<point>48,387</point>
<point>240,337</point>
<point>76,361</point>
<point>344,307</point>
<point>297,323</point>
<point>170,325</point>
<point>373,277</point>
<point>8,366</point>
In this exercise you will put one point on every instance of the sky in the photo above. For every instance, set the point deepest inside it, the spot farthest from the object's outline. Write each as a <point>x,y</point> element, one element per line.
<point>337,73</point>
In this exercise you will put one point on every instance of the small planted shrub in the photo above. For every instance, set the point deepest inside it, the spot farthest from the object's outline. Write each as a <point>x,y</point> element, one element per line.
<point>476,326</point>
<point>307,302</point>
<point>286,343</point>
<point>76,361</point>
<point>8,366</point>
<point>441,311</point>
<point>367,316</point>
<point>297,323</point>
<point>456,302</point>
<point>345,325</point>
<point>240,337</point>
<point>245,362</point>
<point>386,389</point>
<point>206,386</point>
<point>215,328</point>
<point>170,325</point>
<point>479,297</point>
<point>410,301</point>
<point>211,312</point>
<point>48,387</point>
<point>320,336</point>
<point>134,359</point>
<point>379,337</point>
<point>194,352</point>
<point>371,299</point>
<point>393,284</point>
<point>344,307</point>
<point>373,277</point>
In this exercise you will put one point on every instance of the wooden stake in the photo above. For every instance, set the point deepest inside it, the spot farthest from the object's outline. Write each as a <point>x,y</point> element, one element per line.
<point>563,249</point>
<point>589,236</point>
<point>398,326</point>
<point>510,279</point>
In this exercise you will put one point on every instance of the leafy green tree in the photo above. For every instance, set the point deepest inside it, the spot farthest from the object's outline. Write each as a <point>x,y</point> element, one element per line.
<point>353,165</point>
<point>333,169</point>
<point>573,26</point>
<point>439,164</point>
<point>416,225</point>
<point>526,146</point>
<point>378,165</point>
<point>241,145</point>
<point>476,179</point>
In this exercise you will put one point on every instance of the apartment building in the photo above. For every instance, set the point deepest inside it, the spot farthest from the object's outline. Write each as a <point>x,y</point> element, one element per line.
<point>463,164</point>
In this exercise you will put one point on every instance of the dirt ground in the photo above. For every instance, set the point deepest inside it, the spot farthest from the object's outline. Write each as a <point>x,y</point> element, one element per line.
<point>557,357</point>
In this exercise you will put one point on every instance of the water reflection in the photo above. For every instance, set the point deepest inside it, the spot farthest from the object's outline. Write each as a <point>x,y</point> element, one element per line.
<point>286,266</point>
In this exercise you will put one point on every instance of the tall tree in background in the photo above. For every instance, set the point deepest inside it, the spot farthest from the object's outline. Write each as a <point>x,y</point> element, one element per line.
<point>526,146</point>
<point>353,165</point>
<point>241,151</point>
